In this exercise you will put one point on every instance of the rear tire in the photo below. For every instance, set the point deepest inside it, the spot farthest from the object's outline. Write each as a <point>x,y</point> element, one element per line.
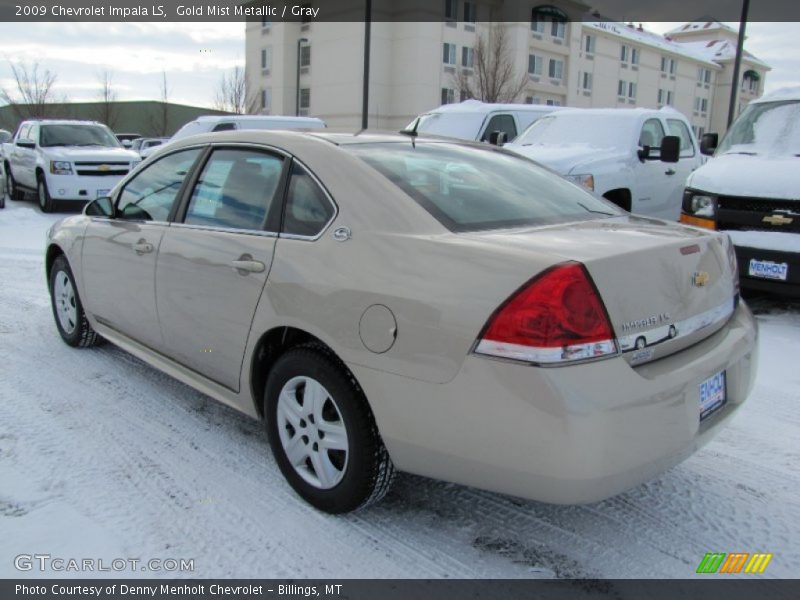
<point>45,201</point>
<point>322,432</point>
<point>68,312</point>
<point>11,186</point>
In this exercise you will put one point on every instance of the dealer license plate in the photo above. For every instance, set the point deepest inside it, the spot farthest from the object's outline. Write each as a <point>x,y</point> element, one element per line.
<point>766,269</point>
<point>712,394</point>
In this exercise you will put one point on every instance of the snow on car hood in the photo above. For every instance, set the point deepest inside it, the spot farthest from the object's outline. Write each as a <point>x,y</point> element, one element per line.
<point>747,175</point>
<point>568,158</point>
<point>90,153</point>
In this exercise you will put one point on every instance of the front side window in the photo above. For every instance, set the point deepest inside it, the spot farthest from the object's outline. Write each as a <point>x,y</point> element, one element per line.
<point>469,189</point>
<point>235,190</point>
<point>652,134</point>
<point>679,129</point>
<point>308,209</point>
<point>149,196</point>
<point>504,123</point>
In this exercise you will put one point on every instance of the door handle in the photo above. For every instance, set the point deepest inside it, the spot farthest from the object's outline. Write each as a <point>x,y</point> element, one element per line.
<point>669,172</point>
<point>243,266</point>
<point>142,247</point>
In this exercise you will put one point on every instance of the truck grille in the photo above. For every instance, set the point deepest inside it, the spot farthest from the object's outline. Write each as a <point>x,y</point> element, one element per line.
<point>100,168</point>
<point>747,214</point>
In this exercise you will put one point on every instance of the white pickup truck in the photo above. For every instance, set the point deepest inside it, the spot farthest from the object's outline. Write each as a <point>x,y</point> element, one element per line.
<point>61,160</point>
<point>637,158</point>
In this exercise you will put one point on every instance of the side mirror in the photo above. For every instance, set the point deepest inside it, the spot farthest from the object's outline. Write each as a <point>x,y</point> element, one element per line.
<point>709,143</point>
<point>670,148</point>
<point>26,144</point>
<point>643,153</point>
<point>127,143</point>
<point>498,138</point>
<point>101,207</point>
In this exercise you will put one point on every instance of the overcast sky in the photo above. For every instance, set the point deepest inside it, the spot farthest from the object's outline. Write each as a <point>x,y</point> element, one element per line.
<point>195,55</point>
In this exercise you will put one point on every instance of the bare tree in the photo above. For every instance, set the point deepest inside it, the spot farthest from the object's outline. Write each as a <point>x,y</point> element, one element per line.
<point>160,120</point>
<point>107,112</point>
<point>32,92</point>
<point>232,93</point>
<point>494,78</point>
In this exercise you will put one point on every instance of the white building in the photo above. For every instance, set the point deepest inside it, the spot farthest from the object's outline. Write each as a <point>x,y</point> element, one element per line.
<point>414,66</point>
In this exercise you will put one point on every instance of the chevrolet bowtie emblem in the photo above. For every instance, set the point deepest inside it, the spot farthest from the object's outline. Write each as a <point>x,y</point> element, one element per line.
<point>700,278</point>
<point>103,168</point>
<point>777,220</point>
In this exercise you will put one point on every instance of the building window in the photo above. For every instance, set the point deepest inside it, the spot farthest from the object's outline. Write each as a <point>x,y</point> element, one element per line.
<point>558,29</point>
<point>470,10</point>
<point>534,64</point>
<point>528,99</point>
<point>305,98</point>
<point>265,23</point>
<point>448,96</point>
<point>588,44</point>
<point>586,82</point>
<point>661,94</point>
<point>621,87</point>
<point>266,101</point>
<point>632,90</point>
<point>664,64</point>
<point>703,105</point>
<point>450,10</point>
<point>623,55</point>
<point>266,59</point>
<point>467,57</point>
<point>305,56</point>
<point>668,65</point>
<point>556,69</point>
<point>537,22</point>
<point>463,95</point>
<point>673,66</point>
<point>669,98</point>
<point>634,56</point>
<point>626,88</point>
<point>449,54</point>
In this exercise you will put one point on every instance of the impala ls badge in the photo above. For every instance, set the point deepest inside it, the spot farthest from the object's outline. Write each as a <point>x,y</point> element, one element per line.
<point>777,220</point>
<point>700,278</point>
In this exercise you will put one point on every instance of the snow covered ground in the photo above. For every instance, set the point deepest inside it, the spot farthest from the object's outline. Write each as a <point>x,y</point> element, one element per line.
<point>102,456</point>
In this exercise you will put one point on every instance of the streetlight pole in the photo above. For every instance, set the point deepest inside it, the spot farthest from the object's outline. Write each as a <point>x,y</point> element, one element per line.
<point>737,63</point>
<point>300,42</point>
<point>367,36</point>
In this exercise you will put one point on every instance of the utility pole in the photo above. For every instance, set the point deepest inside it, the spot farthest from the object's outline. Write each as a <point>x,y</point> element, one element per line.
<point>367,35</point>
<point>737,63</point>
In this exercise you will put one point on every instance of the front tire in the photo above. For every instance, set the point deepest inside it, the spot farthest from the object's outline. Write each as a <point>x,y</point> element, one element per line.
<point>70,319</point>
<point>11,186</point>
<point>322,432</point>
<point>45,201</point>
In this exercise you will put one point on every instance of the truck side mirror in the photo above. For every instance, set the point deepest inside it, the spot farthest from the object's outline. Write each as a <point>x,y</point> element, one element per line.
<point>498,138</point>
<point>670,148</point>
<point>643,153</point>
<point>709,143</point>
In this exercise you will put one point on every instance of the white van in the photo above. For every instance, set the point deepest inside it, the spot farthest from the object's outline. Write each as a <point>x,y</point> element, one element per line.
<point>209,123</point>
<point>475,120</point>
<point>751,190</point>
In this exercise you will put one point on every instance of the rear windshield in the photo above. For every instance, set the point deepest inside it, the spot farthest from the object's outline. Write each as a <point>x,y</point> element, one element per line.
<point>470,189</point>
<point>463,125</point>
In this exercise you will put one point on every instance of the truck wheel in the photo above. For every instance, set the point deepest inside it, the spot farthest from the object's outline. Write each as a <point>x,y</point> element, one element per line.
<point>45,201</point>
<point>11,186</point>
<point>322,432</point>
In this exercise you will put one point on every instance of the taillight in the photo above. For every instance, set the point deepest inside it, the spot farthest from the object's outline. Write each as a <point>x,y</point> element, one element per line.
<point>557,317</point>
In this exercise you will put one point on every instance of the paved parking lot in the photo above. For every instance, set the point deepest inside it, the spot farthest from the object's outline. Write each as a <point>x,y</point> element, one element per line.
<point>102,456</point>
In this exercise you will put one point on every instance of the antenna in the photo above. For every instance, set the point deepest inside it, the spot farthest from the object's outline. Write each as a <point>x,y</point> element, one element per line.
<point>412,133</point>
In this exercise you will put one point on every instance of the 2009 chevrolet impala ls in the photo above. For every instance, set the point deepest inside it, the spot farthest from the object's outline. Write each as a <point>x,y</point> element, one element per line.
<point>385,302</point>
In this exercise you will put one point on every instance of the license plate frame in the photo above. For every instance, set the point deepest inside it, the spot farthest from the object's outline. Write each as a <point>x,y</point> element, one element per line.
<point>768,269</point>
<point>712,394</point>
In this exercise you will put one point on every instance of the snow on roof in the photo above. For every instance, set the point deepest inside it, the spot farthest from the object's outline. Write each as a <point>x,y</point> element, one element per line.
<point>786,93</point>
<point>651,39</point>
<point>623,112</point>
<point>476,106</point>
<point>721,50</point>
<point>705,24</point>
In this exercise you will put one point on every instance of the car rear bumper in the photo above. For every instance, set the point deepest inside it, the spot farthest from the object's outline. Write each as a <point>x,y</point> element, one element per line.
<point>82,188</point>
<point>790,287</point>
<point>564,435</point>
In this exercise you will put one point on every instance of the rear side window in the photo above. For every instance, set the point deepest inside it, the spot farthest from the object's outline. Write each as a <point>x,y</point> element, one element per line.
<point>470,189</point>
<point>504,123</point>
<point>235,190</point>
<point>150,195</point>
<point>308,208</point>
<point>679,128</point>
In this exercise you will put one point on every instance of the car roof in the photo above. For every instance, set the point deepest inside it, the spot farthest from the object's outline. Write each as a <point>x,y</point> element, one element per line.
<point>632,113</point>
<point>786,93</point>
<point>218,118</point>
<point>476,106</point>
<point>62,122</point>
